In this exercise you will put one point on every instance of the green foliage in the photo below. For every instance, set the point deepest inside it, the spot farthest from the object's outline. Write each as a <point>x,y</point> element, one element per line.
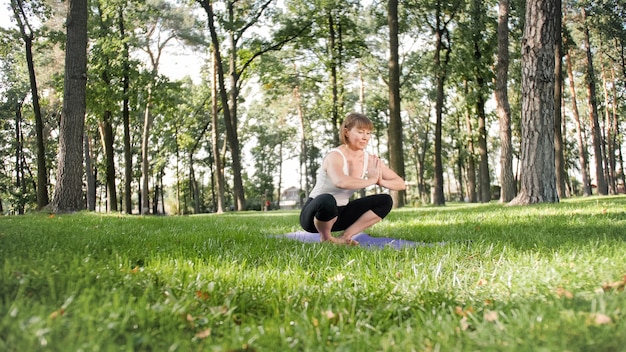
<point>545,277</point>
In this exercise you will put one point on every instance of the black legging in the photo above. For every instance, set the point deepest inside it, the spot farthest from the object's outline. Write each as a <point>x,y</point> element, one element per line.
<point>324,208</point>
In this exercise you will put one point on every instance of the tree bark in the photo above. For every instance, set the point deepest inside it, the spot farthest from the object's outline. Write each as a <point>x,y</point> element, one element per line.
<point>145,162</point>
<point>90,175</point>
<point>396,152</point>
<point>559,150</point>
<point>471,163</point>
<point>580,141</point>
<point>538,179</point>
<point>217,156</point>
<point>508,186</point>
<point>128,158</point>
<point>596,136</point>
<point>107,139</point>
<point>68,195</point>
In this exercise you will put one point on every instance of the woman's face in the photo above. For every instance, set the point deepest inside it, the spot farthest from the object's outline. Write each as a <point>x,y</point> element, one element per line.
<point>358,137</point>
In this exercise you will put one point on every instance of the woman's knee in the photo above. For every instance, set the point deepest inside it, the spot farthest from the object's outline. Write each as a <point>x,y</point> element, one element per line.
<point>326,208</point>
<point>384,203</point>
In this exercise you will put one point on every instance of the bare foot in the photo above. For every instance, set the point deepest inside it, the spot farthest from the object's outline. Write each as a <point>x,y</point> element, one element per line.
<point>340,240</point>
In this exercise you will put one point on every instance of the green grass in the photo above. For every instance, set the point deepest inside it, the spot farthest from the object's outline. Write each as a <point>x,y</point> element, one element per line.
<point>507,278</point>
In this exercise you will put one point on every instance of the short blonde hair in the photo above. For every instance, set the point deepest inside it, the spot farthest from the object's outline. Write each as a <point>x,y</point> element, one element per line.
<point>354,119</point>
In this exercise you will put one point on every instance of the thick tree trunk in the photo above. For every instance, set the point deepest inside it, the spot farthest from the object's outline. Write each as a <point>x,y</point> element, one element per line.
<point>396,152</point>
<point>508,186</point>
<point>68,194</point>
<point>538,179</point>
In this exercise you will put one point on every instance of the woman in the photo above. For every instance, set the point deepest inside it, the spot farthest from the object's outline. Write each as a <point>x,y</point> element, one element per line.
<point>345,170</point>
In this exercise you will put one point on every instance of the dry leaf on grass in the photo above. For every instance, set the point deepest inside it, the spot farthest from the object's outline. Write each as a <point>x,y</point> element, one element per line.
<point>616,285</point>
<point>599,319</point>
<point>491,315</point>
<point>561,292</point>
<point>204,334</point>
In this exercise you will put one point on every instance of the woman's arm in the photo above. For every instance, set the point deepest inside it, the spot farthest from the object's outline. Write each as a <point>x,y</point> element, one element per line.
<point>390,179</point>
<point>333,164</point>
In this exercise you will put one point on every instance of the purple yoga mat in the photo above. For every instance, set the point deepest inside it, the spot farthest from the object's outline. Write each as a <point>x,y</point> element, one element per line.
<point>363,239</point>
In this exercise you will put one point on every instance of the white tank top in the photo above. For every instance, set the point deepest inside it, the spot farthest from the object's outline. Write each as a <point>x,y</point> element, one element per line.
<point>325,185</point>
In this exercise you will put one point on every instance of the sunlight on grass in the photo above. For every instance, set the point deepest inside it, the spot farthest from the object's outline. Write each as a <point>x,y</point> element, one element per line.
<point>488,277</point>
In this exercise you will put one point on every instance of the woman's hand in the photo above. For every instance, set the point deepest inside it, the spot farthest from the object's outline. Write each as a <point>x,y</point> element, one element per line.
<point>385,176</point>
<point>374,168</point>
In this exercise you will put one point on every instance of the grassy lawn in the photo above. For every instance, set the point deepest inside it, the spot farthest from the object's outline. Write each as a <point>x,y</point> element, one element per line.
<point>538,278</point>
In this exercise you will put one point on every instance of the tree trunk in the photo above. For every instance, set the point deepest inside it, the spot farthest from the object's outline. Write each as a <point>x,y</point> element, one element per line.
<point>90,175</point>
<point>580,141</point>
<point>596,136</point>
<point>396,152</point>
<point>508,188</point>
<point>68,195</point>
<point>128,158</point>
<point>538,179</point>
<point>217,156</point>
<point>145,162</point>
<point>471,163</point>
<point>230,113</point>
<point>28,36</point>
<point>608,150</point>
<point>332,53</point>
<point>559,150</point>
<point>107,138</point>
<point>20,182</point>
<point>485,179</point>
<point>440,64</point>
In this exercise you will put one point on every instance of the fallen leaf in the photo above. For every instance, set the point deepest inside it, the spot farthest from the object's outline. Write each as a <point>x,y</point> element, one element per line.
<point>561,292</point>
<point>217,310</point>
<point>329,315</point>
<point>599,319</point>
<point>617,285</point>
<point>57,313</point>
<point>482,282</point>
<point>464,324</point>
<point>491,315</point>
<point>204,334</point>
<point>463,312</point>
<point>316,322</point>
<point>202,295</point>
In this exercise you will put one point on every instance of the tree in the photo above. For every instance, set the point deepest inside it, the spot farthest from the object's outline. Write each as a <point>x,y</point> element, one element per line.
<point>396,152</point>
<point>538,179</point>
<point>596,133</point>
<point>561,175</point>
<point>508,188</point>
<point>438,17</point>
<point>68,195</point>
<point>20,11</point>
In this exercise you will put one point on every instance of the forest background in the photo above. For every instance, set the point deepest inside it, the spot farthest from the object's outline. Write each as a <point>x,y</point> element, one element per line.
<point>266,106</point>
